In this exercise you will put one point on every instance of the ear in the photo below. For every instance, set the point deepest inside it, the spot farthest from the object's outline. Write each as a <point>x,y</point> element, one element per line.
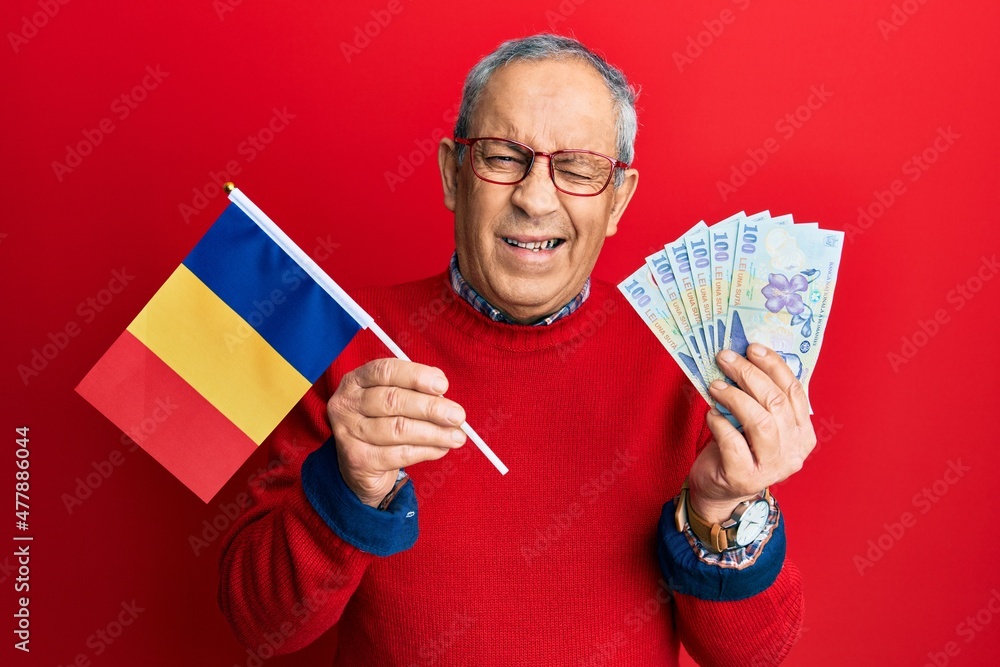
<point>448,165</point>
<point>621,196</point>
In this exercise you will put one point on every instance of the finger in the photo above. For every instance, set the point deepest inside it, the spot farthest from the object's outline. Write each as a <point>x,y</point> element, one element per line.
<point>404,456</point>
<point>781,374</point>
<point>392,401</point>
<point>388,431</point>
<point>753,381</point>
<point>737,459</point>
<point>399,373</point>
<point>759,425</point>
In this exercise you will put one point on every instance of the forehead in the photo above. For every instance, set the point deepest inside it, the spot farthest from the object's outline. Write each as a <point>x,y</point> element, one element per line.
<point>548,104</point>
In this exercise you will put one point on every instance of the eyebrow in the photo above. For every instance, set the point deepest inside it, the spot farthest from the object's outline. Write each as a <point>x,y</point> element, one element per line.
<point>508,131</point>
<point>505,131</point>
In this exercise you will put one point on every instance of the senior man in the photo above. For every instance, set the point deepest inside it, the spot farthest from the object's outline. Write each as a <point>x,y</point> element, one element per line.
<point>573,558</point>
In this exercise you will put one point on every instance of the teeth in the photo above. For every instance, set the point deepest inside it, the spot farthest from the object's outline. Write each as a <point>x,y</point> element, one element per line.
<point>534,246</point>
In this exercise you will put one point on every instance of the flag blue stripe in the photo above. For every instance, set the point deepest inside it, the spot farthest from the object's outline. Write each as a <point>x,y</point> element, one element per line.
<point>238,261</point>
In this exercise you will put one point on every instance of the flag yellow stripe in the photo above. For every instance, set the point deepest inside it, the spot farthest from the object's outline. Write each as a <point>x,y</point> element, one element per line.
<point>221,356</point>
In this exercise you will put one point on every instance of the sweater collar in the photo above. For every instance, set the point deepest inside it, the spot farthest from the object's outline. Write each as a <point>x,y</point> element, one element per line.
<point>467,292</point>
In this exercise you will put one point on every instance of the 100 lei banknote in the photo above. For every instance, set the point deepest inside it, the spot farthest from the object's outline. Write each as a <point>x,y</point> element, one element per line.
<point>644,296</point>
<point>744,279</point>
<point>782,289</point>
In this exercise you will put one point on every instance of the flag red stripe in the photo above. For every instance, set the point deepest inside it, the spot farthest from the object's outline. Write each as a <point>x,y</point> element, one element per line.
<point>175,424</point>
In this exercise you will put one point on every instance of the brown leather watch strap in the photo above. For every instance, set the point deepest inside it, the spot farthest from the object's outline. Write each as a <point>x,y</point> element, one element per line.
<point>401,479</point>
<point>713,536</point>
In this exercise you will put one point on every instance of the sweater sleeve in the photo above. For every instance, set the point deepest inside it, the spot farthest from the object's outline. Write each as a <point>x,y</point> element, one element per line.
<point>747,612</point>
<point>732,609</point>
<point>758,631</point>
<point>284,575</point>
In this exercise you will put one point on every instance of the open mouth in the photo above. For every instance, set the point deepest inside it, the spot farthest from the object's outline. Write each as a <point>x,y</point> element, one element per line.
<point>534,246</point>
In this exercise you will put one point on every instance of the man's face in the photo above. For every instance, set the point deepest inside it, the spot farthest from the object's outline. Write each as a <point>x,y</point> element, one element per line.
<point>548,105</point>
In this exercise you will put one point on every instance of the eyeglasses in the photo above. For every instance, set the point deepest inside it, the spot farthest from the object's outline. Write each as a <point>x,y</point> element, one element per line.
<point>573,171</point>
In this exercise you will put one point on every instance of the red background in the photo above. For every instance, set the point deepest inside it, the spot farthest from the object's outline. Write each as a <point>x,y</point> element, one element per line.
<point>323,178</point>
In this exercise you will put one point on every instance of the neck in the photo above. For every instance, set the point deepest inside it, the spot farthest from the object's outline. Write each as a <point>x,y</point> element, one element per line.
<point>468,292</point>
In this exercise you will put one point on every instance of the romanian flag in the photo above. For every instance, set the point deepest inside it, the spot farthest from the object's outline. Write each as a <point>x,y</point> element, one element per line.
<point>224,349</point>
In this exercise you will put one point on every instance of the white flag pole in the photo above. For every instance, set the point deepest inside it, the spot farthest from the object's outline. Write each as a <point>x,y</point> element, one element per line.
<point>483,447</point>
<point>364,320</point>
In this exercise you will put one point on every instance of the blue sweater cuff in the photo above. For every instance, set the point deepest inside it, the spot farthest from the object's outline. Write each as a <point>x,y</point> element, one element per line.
<point>374,531</point>
<point>687,574</point>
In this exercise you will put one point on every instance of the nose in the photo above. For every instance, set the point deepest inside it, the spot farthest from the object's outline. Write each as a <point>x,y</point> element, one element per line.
<point>536,195</point>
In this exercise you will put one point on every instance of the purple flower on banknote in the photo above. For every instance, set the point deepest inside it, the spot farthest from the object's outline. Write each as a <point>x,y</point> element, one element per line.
<point>783,294</point>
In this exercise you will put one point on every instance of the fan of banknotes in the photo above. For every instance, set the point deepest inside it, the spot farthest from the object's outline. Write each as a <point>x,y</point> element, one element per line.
<point>746,279</point>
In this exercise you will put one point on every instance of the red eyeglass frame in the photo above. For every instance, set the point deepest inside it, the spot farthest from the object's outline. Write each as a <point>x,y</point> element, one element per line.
<point>615,164</point>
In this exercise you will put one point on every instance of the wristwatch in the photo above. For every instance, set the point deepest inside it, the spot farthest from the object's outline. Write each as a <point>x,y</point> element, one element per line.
<point>742,528</point>
<point>401,479</point>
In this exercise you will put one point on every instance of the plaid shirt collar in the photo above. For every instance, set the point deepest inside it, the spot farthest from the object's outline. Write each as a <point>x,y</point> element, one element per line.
<point>466,291</point>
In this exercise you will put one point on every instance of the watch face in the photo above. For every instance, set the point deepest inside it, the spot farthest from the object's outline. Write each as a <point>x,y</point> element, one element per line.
<point>752,522</point>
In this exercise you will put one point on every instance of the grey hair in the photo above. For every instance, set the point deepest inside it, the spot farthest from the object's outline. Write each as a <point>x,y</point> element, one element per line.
<point>546,46</point>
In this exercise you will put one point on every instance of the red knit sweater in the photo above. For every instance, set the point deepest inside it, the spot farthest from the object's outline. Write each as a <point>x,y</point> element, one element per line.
<point>552,564</point>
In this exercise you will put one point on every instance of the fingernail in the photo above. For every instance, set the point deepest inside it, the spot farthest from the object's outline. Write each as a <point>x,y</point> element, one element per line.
<point>714,413</point>
<point>439,386</point>
<point>455,416</point>
<point>458,437</point>
<point>718,385</point>
<point>728,356</point>
<point>757,350</point>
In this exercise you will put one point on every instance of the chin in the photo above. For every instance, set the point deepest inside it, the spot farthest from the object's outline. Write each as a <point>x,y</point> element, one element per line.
<point>531,305</point>
<point>528,293</point>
